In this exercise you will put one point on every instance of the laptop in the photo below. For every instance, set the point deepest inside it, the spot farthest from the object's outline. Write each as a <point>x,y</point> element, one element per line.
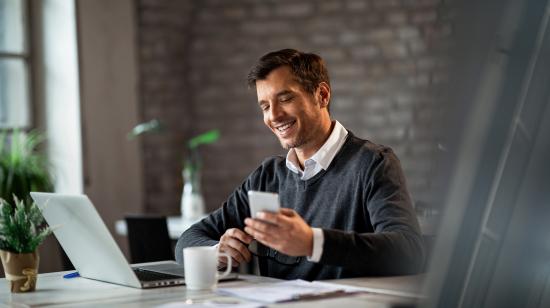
<point>92,249</point>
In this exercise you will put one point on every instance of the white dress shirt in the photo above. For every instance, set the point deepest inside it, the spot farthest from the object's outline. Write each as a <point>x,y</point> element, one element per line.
<point>319,161</point>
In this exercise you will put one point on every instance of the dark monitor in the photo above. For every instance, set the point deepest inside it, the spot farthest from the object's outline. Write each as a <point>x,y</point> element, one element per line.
<point>494,249</point>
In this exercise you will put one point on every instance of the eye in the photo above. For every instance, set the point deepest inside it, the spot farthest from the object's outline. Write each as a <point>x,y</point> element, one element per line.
<point>286,98</point>
<point>264,107</point>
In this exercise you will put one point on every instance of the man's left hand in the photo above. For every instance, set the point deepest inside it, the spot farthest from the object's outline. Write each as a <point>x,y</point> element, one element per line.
<point>284,231</point>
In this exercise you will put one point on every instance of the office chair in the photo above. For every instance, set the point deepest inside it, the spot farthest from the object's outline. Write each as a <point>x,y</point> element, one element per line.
<point>148,238</point>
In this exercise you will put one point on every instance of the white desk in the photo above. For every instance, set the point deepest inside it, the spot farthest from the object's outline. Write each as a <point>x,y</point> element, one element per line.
<point>176,226</point>
<point>54,291</point>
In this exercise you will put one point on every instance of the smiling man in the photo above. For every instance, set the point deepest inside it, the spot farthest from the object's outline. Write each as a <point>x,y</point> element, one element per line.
<point>346,211</point>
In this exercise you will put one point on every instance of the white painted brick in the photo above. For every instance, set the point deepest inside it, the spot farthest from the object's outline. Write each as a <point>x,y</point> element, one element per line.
<point>261,11</point>
<point>420,80</point>
<point>403,66</point>
<point>330,6</point>
<point>424,17</point>
<point>333,56</point>
<point>347,70</point>
<point>397,18</point>
<point>385,4</point>
<point>426,63</point>
<point>381,34</point>
<point>234,12</point>
<point>395,50</point>
<point>322,39</point>
<point>349,38</point>
<point>365,52</point>
<point>357,5</point>
<point>297,9</point>
<point>417,47</point>
<point>406,33</point>
<point>266,27</point>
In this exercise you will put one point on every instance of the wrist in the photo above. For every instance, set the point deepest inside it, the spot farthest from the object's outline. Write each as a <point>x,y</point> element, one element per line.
<point>309,242</point>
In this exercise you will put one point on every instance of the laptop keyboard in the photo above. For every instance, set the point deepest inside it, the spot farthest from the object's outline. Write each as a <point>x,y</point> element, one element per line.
<point>144,275</point>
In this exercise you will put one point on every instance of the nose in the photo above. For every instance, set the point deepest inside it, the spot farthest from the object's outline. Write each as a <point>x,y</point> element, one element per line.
<point>275,112</point>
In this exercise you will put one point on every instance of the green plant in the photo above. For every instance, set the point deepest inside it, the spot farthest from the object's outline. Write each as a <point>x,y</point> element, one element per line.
<point>21,226</point>
<point>22,168</point>
<point>192,162</point>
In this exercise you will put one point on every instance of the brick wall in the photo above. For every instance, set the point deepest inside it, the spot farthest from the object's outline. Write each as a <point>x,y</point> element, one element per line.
<point>385,59</point>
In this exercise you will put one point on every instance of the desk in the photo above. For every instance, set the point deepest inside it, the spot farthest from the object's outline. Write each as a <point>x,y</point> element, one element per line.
<point>176,226</point>
<point>53,290</point>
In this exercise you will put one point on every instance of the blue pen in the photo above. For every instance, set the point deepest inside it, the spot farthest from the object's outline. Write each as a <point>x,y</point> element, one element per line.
<point>71,275</point>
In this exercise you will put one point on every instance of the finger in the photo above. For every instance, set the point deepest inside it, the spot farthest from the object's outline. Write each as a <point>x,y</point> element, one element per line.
<point>236,256</point>
<point>222,261</point>
<point>262,226</point>
<point>237,245</point>
<point>240,247</point>
<point>258,235</point>
<point>243,237</point>
<point>287,212</point>
<point>267,241</point>
<point>273,218</point>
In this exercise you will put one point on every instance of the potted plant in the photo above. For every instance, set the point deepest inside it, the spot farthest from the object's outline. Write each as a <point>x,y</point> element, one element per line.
<point>21,231</point>
<point>192,201</point>
<point>22,167</point>
<point>22,170</point>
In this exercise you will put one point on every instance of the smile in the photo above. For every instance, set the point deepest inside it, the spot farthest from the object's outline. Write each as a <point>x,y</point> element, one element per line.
<point>284,128</point>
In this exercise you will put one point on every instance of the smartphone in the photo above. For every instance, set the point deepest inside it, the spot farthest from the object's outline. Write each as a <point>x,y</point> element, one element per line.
<point>261,201</point>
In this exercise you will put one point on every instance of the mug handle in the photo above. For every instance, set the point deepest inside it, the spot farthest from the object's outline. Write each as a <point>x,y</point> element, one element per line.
<point>228,269</point>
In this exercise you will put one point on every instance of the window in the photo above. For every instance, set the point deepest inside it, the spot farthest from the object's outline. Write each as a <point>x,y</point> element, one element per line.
<point>14,65</point>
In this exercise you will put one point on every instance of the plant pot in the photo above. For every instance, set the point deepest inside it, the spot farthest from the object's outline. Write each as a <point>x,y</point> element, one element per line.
<point>21,270</point>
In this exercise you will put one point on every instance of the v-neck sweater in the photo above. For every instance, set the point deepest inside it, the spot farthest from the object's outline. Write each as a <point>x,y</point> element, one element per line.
<point>360,202</point>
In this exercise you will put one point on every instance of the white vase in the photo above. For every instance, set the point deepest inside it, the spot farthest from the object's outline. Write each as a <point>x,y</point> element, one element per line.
<point>192,204</point>
<point>192,201</point>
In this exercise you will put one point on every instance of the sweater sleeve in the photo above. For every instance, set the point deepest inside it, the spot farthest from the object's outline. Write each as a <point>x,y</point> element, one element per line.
<point>208,231</point>
<point>396,246</point>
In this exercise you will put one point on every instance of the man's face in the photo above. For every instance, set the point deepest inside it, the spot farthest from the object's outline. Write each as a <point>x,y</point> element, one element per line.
<point>295,116</point>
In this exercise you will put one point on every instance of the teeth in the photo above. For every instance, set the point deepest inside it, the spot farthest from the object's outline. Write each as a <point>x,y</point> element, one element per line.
<point>284,127</point>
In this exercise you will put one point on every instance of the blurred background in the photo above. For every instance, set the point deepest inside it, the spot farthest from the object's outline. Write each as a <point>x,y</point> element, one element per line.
<point>87,72</point>
<point>457,88</point>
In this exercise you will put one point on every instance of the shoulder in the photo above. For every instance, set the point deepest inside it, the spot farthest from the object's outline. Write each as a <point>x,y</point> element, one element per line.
<point>367,151</point>
<point>272,165</point>
<point>269,170</point>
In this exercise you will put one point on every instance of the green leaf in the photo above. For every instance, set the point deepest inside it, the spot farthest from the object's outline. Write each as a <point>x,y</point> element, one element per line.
<point>21,226</point>
<point>152,126</point>
<point>22,167</point>
<point>205,138</point>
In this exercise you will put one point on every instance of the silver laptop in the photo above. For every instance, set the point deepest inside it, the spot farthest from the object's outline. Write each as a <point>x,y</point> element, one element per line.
<point>91,248</point>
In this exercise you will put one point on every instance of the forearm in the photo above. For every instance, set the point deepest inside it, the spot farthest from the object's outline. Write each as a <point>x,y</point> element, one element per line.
<point>208,231</point>
<point>196,235</point>
<point>394,252</point>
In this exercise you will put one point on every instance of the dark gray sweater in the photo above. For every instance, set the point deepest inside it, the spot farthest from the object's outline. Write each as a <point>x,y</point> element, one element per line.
<point>361,203</point>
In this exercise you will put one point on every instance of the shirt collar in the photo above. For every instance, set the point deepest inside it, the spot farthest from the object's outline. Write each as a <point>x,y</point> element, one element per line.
<point>325,154</point>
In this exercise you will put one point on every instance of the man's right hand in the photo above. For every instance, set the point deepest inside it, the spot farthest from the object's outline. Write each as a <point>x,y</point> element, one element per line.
<point>235,243</point>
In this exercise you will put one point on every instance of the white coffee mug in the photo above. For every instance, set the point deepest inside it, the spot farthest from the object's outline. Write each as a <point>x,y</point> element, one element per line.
<point>201,267</point>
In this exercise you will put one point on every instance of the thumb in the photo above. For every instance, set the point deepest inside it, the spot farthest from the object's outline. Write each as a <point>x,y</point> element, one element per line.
<point>287,212</point>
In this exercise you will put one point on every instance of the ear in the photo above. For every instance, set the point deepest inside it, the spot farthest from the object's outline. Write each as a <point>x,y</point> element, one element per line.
<point>324,94</point>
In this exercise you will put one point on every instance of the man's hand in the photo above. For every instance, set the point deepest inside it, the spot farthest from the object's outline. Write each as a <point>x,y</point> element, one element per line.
<point>235,243</point>
<point>284,231</point>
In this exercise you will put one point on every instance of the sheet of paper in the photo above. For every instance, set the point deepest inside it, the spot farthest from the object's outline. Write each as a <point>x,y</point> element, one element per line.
<point>211,304</point>
<point>285,291</point>
<point>371,290</point>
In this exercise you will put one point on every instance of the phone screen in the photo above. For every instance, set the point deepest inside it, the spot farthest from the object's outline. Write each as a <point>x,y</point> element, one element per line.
<point>260,201</point>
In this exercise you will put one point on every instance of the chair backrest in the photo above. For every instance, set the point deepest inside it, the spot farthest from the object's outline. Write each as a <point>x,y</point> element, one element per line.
<point>148,238</point>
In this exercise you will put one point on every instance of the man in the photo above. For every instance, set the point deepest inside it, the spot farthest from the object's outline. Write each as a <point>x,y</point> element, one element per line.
<point>345,209</point>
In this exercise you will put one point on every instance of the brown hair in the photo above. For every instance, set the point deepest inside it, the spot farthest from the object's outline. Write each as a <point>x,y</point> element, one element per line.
<point>309,69</point>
